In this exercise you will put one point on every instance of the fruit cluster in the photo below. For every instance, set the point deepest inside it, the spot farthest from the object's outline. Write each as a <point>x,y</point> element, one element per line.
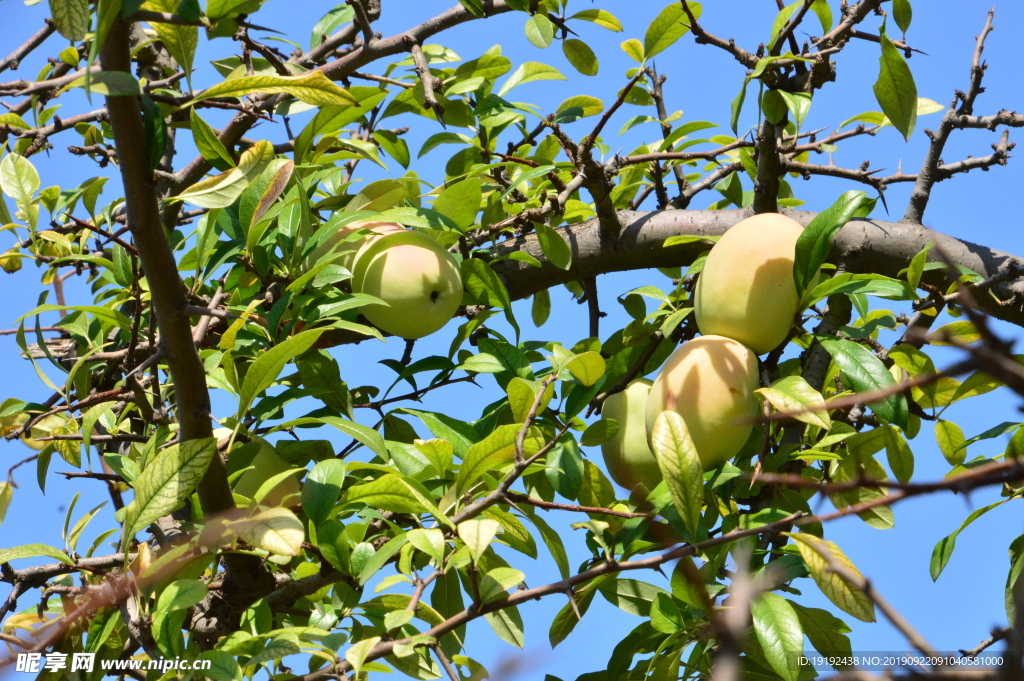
<point>745,303</point>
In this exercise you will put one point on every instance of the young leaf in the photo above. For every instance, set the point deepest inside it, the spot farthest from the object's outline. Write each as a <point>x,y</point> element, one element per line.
<point>312,87</point>
<point>950,439</point>
<point>895,89</point>
<point>943,551</point>
<point>670,25</point>
<point>902,14</point>
<point>680,466</point>
<point>477,534</point>
<point>33,550</point>
<point>539,30</point>
<point>580,56</point>
<point>812,246</point>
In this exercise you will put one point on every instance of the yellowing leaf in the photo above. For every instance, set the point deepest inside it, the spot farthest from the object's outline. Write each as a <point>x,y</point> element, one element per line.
<point>312,88</point>
<point>276,530</point>
<point>356,655</point>
<point>478,535</point>
<point>847,598</point>
<point>794,394</point>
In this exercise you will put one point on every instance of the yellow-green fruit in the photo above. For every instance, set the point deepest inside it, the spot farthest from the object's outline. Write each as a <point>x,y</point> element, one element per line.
<point>415,276</point>
<point>347,249</point>
<point>627,455</point>
<point>746,290</point>
<point>265,465</point>
<point>710,382</point>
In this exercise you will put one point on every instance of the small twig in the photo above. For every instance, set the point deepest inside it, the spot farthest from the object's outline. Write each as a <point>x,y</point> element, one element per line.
<point>573,508</point>
<point>426,78</point>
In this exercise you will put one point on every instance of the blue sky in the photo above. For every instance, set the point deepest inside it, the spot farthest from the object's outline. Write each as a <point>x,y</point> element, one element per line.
<point>958,611</point>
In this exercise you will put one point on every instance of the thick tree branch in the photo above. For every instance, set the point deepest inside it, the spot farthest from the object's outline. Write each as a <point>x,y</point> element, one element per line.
<point>862,246</point>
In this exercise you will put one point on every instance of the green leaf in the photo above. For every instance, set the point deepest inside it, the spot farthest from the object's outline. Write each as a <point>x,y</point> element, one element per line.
<point>460,202</point>
<point>867,373</point>
<point>391,492</point>
<point>555,248</point>
<point>794,394</point>
<point>812,246</point>
<point>487,67</point>
<point>395,146</point>
<point>630,595</point>
<point>895,89</point>
<point>429,541</point>
<point>951,441</point>
<point>481,281</point>
<point>897,451</point>
<point>368,436</point>
<point>826,633</point>
<point>181,594</point>
<point>33,550</point>
<point>180,41</point>
<point>108,83</point>
<point>528,72</point>
<point>166,482</point>
<point>474,7</point>
<point>580,56</point>
<point>19,179</point>
<point>312,87</point>
<point>680,466</point>
<point>106,315</point>
<point>824,12</point>
<point>943,551</point>
<point>588,106</point>
<point>670,25</point>
<point>321,489</point>
<point>566,619</point>
<point>778,629</point>
<point>507,623</point>
<point>554,543</point>
<point>736,107</point>
<point>495,584</point>
<point>6,495</point>
<point>264,371</point>
<point>902,14</point>
<point>601,17</point>
<point>73,18</point>
<point>496,451</point>
<point>356,655</point>
<point>634,49</point>
<point>539,30</point>
<point>847,598</point>
<point>528,176</point>
<point>223,666</point>
<point>541,308</point>
<point>587,367</point>
<point>599,432</point>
